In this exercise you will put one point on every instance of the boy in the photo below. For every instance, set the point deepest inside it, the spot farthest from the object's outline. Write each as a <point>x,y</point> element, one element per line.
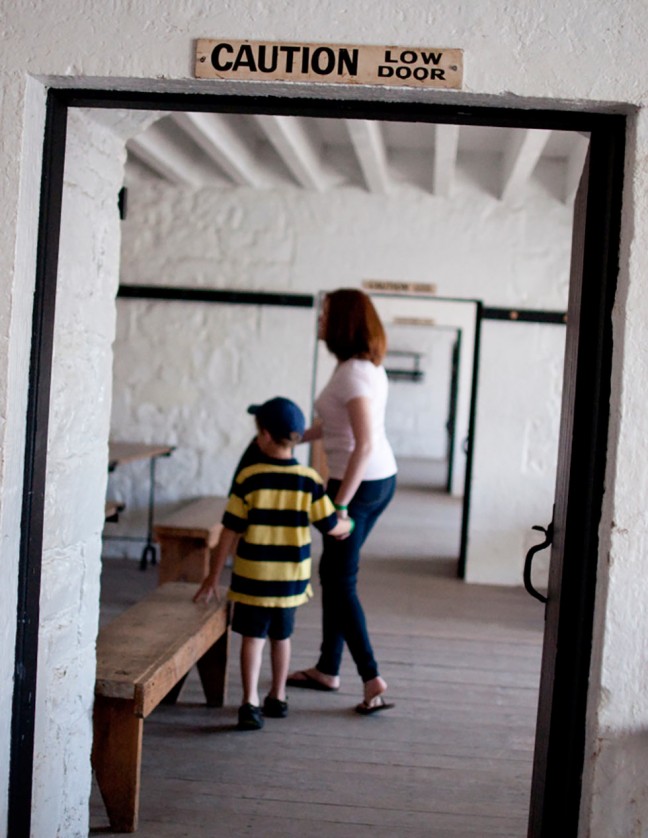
<point>272,503</point>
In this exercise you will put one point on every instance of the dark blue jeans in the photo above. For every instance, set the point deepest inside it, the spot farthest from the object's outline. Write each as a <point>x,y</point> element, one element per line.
<point>343,620</point>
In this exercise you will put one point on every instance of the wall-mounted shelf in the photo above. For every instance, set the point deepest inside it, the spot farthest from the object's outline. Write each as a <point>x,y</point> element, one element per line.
<point>409,365</point>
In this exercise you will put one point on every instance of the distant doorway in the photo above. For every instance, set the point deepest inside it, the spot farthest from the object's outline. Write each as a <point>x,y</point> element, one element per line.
<point>431,410</point>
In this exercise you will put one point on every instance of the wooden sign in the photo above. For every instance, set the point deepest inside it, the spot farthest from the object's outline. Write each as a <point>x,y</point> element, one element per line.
<point>329,63</point>
<point>414,321</point>
<point>390,285</point>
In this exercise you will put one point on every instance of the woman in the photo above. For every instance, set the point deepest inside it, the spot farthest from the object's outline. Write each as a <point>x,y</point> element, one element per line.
<point>362,469</point>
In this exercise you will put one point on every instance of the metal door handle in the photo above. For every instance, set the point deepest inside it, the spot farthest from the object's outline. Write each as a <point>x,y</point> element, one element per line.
<point>528,584</point>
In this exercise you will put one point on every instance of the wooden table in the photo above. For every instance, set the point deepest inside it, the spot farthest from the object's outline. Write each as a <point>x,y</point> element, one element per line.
<point>122,453</point>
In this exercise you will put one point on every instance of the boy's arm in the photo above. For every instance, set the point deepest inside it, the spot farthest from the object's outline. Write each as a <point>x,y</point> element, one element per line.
<point>312,433</point>
<point>325,517</point>
<point>209,586</point>
<point>343,528</point>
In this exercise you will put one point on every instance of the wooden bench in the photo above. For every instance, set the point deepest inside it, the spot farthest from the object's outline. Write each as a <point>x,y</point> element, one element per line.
<point>186,538</point>
<point>143,656</point>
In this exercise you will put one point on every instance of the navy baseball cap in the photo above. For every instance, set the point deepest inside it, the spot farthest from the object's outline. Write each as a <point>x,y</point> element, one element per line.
<point>281,417</point>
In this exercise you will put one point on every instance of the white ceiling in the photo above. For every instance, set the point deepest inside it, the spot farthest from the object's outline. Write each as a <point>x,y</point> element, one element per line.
<point>200,150</point>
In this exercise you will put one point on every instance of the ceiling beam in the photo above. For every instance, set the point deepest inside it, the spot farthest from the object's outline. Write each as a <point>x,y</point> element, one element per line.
<point>295,147</point>
<point>574,167</point>
<point>159,152</point>
<point>521,156</point>
<point>214,134</point>
<point>446,144</point>
<point>369,146</point>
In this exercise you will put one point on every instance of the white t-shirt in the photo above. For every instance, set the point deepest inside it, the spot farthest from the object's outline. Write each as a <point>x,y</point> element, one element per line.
<point>350,380</point>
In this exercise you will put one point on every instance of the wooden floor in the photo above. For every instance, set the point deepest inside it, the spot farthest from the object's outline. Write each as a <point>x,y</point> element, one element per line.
<point>453,758</point>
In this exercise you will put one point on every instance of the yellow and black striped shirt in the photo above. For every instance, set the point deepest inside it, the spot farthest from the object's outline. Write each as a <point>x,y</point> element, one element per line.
<point>272,504</point>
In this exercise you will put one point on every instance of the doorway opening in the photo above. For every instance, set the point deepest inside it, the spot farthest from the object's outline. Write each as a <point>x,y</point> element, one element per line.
<point>588,397</point>
<point>433,348</point>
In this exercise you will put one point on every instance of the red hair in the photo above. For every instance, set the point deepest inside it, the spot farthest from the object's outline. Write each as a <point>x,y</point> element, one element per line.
<point>353,328</point>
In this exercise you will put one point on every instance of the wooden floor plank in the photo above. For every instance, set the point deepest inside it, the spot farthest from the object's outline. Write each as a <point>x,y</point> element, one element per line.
<point>452,759</point>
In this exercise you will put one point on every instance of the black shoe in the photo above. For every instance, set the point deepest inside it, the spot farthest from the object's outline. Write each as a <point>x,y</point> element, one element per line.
<point>249,718</point>
<point>273,708</point>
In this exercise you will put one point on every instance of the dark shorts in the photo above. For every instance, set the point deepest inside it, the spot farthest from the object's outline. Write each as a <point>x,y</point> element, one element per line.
<point>256,621</point>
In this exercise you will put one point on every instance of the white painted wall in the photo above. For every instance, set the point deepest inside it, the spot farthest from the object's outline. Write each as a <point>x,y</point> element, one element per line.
<point>76,478</point>
<point>297,241</point>
<point>417,411</point>
<point>515,449</point>
<point>615,801</point>
<point>185,374</point>
<point>583,52</point>
<point>20,191</point>
<point>459,316</point>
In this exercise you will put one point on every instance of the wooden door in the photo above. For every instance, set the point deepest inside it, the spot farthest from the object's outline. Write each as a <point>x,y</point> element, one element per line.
<point>542,757</point>
<point>560,733</point>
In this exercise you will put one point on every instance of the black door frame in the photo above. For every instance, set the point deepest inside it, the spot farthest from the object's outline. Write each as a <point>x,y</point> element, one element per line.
<point>607,131</point>
<point>451,424</point>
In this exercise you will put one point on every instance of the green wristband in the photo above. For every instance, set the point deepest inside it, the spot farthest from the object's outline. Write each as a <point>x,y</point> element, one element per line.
<point>352,525</point>
<point>340,507</point>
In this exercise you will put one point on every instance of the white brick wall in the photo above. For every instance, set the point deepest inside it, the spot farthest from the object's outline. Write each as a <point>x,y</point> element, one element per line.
<point>76,477</point>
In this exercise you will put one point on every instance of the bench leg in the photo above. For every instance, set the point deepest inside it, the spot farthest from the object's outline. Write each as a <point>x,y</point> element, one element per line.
<point>117,759</point>
<point>212,668</point>
<point>174,693</point>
